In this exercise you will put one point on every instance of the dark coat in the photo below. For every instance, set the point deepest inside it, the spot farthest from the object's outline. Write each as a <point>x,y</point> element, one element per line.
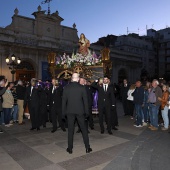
<point>20,90</point>
<point>139,95</point>
<point>124,91</point>
<point>42,99</point>
<point>74,99</point>
<point>56,99</point>
<point>89,95</point>
<point>33,106</point>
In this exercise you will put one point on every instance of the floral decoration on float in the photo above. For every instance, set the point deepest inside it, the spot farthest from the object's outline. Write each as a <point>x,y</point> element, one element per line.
<point>66,61</point>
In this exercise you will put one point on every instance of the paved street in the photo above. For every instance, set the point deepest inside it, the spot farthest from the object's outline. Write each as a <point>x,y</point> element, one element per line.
<point>128,148</point>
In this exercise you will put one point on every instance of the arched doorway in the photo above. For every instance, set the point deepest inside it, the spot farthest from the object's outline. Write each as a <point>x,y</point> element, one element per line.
<point>122,74</point>
<point>25,71</point>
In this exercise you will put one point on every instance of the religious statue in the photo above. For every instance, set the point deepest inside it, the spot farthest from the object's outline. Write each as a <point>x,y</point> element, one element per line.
<point>105,54</point>
<point>84,45</point>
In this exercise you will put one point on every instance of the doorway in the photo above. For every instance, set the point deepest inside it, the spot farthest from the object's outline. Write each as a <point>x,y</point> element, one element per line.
<point>25,71</point>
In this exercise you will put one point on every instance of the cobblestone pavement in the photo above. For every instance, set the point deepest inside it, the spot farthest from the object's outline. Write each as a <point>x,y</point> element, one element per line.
<point>128,148</point>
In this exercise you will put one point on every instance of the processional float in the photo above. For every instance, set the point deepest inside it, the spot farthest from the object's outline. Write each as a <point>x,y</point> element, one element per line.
<point>86,63</point>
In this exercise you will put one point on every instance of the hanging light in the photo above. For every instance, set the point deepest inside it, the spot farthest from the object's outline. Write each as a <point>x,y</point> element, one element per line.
<point>18,60</point>
<point>13,57</point>
<point>7,59</point>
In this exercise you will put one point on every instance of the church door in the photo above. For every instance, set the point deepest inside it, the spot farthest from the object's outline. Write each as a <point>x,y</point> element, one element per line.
<point>25,71</point>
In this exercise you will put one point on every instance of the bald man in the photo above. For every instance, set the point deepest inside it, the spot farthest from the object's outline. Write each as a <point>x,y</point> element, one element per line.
<point>75,106</point>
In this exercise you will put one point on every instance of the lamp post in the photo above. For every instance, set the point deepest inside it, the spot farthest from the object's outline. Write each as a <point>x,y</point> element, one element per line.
<point>13,64</point>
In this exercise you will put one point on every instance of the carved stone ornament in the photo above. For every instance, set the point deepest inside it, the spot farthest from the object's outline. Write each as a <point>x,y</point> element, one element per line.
<point>105,54</point>
<point>16,11</point>
<point>74,25</point>
<point>39,8</point>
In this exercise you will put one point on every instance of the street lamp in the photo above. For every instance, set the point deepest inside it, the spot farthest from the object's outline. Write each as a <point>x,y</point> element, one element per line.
<point>13,65</point>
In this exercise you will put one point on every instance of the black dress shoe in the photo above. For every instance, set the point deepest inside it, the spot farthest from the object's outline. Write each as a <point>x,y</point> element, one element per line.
<point>38,129</point>
<point>114,128</point>
<point>78,131</point>
<point>53,131</point>
<point>59,127</point>
<point>32,128</point>
<point>110,132</point>
<point>102,131</point>
<point>63,129</point>
<point>70,151</point>
<point>88,150</point>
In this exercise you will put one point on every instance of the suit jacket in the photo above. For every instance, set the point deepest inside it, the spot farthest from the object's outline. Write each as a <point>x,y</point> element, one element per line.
<point>42,98</point>
<point>105,98</point>
<point>89,95</point>
<point>56,98</point>
<point>33,99</point>
<point>74,99</point>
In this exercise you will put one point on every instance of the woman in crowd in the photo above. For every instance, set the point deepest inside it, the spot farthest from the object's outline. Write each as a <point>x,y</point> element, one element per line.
<point>130,100</point>
<point>8,102</point>
<point>164,106</point>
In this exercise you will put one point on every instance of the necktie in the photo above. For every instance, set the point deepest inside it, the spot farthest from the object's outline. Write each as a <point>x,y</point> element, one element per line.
<point>105,88</point>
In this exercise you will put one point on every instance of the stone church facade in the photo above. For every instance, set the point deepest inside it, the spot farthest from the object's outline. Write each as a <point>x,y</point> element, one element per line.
<point>32,39</point>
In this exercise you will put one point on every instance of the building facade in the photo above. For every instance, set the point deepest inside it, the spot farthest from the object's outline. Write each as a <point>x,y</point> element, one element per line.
<point>32,39</point>
<point>125,65</point>
<point>161,42</point>
<point>133,56</point>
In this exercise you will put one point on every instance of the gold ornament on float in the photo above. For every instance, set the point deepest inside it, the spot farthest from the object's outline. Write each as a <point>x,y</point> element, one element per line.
<point>105,52</point>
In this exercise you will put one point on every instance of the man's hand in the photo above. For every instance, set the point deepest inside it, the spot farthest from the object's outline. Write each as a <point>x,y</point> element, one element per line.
<point>159,98</point>
<point>6,83</point>
<point>86,116</point>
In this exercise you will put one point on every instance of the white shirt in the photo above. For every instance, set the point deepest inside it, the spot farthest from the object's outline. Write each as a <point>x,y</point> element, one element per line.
<point>31,90</point>
<point>53,89</point>
<point>105,86</point>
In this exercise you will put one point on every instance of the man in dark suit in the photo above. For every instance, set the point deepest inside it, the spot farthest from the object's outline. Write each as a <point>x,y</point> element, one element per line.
<point>32,98</point>
<point>75,106</point>
<point>42,104</point>
<point>83,82</point>
<point>56,106</point>
<point>106,102</point>
<point>124,90</point>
